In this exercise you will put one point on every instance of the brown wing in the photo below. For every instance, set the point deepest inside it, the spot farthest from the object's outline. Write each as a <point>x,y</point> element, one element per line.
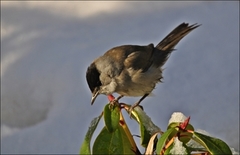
<point>140,57</point>
<point>131,56</point>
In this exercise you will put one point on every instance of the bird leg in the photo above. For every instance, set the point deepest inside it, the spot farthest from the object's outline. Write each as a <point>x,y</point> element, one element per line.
<point>111,97</point>
<point>119,97</point>
<point>113,100</point>
<point>137,104</point>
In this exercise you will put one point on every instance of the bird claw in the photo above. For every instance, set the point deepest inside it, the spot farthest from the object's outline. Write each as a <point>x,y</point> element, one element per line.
<point>114,101</point>
<point>130,112</point>
<point>132,108</point>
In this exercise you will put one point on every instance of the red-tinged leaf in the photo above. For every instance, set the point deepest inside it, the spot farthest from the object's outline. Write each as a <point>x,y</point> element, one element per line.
<point>186,135</point>
<point>184,124</point>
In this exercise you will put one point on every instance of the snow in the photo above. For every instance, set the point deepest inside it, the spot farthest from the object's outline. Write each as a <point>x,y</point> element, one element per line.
<point>177,117</point>
<point>178,147</point>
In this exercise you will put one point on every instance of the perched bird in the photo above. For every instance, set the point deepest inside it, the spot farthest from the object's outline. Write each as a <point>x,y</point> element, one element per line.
<point>133,70</point>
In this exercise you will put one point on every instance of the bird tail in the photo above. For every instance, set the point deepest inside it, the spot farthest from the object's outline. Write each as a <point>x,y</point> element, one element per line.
<point>171,40</point>
<point>166,46</point>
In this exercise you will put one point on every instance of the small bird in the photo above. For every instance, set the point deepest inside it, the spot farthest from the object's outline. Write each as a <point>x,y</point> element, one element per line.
<point>133,70</point>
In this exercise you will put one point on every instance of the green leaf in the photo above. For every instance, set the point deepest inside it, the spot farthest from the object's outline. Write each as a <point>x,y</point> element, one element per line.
<point>115,142</point>
<point>173,125</point>
<point>162,140</point>
<point>85,148</point>
<point>186,135</point>
<point>147,127</point>
<point>174,133</point>
<point>111,117</point>
<point>213,145</point>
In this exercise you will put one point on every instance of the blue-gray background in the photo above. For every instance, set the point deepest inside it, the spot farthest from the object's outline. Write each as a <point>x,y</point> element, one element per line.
<point>46,48</point>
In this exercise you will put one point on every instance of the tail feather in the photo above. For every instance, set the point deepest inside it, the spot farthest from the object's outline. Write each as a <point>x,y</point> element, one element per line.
<point>166,46</point>
<point>171,40</point>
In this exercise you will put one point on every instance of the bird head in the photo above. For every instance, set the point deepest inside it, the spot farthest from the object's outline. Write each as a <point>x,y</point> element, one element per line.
<point>94,83</point>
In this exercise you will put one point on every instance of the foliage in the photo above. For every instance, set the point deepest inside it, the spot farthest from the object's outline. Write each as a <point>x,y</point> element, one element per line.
<point>116,138</point>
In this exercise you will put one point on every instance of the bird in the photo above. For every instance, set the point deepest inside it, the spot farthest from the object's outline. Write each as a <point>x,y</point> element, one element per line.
<point>133,70</point>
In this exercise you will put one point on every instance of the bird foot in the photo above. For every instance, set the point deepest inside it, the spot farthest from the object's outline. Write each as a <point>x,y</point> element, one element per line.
<point>132,107</point>
<point>113,100</point>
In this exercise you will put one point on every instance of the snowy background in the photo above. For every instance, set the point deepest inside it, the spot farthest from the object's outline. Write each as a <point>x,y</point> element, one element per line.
<point>46,48</point>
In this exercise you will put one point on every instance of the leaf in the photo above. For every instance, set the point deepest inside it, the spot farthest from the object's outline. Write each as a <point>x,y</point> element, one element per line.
<point>184,130</point>
<point>85,148</point>
<point>213,145</point>
<point>128,134</point>
<point>162,140</point>
<point>149,149</point>
<point>173,125</point>
<point>174,133</point>
<point>186,135</point>
<point>112,143</point>
<point>147,127</point>
<point>111,117</point>
<point>184,124</point>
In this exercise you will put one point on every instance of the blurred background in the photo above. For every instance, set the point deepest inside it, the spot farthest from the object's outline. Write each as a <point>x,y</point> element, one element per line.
<point>46,48</point>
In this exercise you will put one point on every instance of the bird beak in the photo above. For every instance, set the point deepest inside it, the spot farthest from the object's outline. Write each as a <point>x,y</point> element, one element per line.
<point>95,94</point>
